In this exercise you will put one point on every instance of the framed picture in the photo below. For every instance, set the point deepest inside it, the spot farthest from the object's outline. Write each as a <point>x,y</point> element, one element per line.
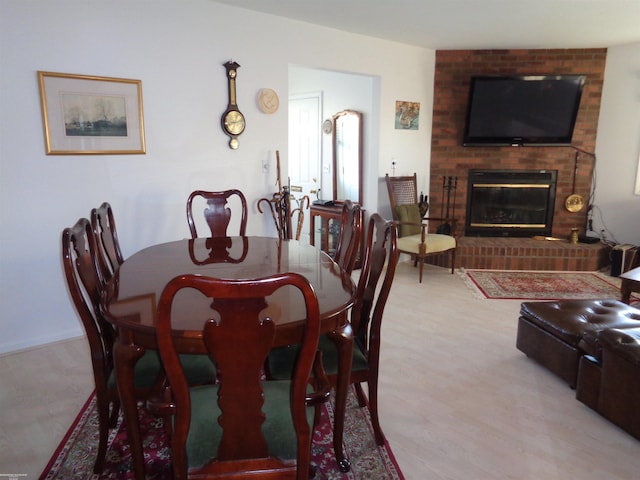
<point>407,115</point>
<point>89,115</point>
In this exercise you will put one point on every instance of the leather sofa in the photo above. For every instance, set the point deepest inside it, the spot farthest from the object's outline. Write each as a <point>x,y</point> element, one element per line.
<point>609,381</point>
<point>593,345</point>
<point>557,334</point>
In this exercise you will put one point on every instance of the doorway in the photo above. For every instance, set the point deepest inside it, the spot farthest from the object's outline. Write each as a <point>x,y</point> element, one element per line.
<point>305,151</point>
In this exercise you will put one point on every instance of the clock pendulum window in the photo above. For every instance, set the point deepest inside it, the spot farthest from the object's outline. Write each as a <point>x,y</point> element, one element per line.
<point>232,120</point>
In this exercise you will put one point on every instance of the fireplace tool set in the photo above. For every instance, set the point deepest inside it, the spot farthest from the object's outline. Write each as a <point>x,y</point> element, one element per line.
<point>448,184</point>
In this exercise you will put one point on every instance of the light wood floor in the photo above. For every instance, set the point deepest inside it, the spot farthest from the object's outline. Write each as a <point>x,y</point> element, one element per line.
<point>458,400</point>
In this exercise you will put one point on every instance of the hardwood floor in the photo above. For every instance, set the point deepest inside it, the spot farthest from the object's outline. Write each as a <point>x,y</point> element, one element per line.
<point>458,400</point>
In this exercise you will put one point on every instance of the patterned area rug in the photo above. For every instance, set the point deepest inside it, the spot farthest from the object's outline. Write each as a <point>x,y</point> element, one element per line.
<point>539,285</point>
<point>73,459</point>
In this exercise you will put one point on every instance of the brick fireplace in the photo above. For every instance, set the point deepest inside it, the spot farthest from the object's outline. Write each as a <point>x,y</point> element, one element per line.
<point>449,158</point>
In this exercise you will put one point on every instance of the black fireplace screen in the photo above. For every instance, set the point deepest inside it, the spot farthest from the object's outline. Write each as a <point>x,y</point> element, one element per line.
<point>510,203</point>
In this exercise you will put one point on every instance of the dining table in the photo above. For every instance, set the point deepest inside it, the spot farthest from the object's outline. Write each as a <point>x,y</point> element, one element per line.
<point>129,302</point>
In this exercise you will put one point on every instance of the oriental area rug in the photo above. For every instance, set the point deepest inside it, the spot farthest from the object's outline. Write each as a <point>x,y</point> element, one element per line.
<point>74,458</point>
<point>542,285</point>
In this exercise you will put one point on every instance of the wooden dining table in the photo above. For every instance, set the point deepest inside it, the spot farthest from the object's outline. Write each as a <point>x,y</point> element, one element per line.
<point>129,302</point>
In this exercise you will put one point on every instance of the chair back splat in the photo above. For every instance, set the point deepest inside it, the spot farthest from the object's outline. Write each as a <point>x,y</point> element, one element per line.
<point>243,424</point>
<point>217,214</point>
<point>350,236</point>
<point>104,227</point>
<point>413,227</point>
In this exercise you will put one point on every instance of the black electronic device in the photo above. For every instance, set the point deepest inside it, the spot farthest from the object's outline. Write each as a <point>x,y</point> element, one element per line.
<point>324,203</point>
<point>522,110</point>
<point>588,239</point>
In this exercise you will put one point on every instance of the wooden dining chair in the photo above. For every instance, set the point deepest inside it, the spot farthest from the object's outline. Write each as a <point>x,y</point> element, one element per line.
<point>216,213</point>
<point>84,281</point>
<point>104,228</point>
<point>380,260</point>
<point>414,237</point>
<point>244,426</point>
<point>350,236</point>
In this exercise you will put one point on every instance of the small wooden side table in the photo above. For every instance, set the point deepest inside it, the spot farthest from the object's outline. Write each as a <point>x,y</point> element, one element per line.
<point>630,283</point>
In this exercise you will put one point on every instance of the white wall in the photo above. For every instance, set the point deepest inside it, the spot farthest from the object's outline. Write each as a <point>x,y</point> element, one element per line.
<point>177,49</point>
<point>617,208</point>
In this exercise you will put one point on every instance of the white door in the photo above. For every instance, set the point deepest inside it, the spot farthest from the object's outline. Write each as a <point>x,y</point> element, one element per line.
<point>305,152</point>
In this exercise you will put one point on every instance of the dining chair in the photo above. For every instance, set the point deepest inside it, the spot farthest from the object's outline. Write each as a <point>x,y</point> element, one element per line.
<point>216,213</point>
<point>104,228</point>
<point>413,235</point>
<point>244,426</point>
<point>380,260</point>
<point>84,281</point>
<point>350,236</point>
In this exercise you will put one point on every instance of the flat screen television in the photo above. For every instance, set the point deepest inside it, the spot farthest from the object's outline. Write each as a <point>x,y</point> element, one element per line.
<point>522,110</point>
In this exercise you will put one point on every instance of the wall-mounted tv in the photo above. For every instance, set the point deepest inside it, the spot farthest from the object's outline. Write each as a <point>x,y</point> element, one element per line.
<point>522,110</point>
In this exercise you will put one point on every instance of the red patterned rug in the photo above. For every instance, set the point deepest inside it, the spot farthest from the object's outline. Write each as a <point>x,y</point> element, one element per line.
<point>73,459</point>
<point>539,285</point>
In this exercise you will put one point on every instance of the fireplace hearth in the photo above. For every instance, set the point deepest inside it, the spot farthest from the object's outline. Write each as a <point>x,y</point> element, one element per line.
<point>510,203</point>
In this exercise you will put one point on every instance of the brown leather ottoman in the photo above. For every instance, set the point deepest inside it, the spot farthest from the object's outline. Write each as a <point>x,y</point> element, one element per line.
<point>553,333</point>
<point>609,382</point>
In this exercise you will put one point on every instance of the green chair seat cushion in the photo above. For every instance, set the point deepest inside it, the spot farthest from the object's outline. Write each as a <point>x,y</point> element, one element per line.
<point>435,242</point>
<point>205,432</point>
<point>281,360</point>
<point>409,212</point>
<point>199,369</point>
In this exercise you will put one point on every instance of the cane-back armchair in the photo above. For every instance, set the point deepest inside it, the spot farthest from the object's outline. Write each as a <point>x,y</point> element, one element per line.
<point>418,235</point>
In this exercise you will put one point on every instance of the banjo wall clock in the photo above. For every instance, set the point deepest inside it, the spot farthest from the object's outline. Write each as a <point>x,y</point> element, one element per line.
<point>232,121</point>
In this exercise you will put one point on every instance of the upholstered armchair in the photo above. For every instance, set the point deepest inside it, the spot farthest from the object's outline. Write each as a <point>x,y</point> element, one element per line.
<point>419,236</point>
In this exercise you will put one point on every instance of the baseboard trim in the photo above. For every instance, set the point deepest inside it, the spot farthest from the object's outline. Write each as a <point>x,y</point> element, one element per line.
<point>35,343</point>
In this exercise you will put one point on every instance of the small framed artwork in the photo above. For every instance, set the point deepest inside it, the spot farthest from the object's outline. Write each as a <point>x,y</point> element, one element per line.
<point>90,115</point>
<point>407,115</point>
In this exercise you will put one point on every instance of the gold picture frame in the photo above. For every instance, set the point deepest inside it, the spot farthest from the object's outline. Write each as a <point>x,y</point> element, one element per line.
<point>91,115</point>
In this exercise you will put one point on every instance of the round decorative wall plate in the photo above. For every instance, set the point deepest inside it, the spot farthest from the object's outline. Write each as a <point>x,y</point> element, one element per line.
<point>268,101</point>
<point>574,203</point>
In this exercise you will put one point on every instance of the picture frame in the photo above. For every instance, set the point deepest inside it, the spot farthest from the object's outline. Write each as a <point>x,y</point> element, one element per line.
<point>407,115</point>
<point>91,115</point>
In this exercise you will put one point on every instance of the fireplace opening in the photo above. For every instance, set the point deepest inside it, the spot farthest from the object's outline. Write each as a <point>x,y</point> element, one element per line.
<point>510,203</point>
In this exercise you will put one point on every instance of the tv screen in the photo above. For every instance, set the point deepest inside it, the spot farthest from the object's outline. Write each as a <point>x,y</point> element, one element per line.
<point>522,110</point>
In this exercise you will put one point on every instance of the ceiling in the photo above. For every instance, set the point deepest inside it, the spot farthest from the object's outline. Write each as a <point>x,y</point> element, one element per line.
<point>470,24</point>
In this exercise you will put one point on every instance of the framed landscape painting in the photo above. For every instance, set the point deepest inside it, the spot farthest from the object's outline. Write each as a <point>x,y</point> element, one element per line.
<point>90,115</point>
